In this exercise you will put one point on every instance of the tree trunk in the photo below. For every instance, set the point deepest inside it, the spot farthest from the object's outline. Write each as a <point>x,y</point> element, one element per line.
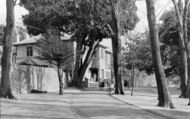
<point>66,79</point>
<point>187,45</point>
<point>183,67</point>
<point>88,58</point>
<point>188,81</point>
<point>116,48</point>
<point>133,79</point>
<point>181,14</point>
<point>163,94</point>
<point>76,82</point>
<point>6,61</point>
<point>60,76</point>
<point>80,67</point>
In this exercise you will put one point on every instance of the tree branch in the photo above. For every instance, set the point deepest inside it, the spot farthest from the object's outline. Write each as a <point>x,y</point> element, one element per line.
<point>178,14</point>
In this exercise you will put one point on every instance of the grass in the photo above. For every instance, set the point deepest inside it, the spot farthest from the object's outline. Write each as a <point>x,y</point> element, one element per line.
<point>153,90</point>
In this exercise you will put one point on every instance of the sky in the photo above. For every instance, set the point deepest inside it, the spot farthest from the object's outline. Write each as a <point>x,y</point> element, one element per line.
<point>19,11</point>
<point>161,6</point>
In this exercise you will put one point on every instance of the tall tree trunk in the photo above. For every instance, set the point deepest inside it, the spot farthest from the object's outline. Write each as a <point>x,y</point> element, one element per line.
<point>163,94</point>
<point>60,76</point>
<point>66,79</point>
<point>133,79</point>
<point>76,82</point>
<point>188,82</point>
<point>6,61</point>
<point>116,47</point>
<point>181,14</point>
<point>88,59</point>
<point>187,44</point>
<point>183,67</point>
<point>80,67</point>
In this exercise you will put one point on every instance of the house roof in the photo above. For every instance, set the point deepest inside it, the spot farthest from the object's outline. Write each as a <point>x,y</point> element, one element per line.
<point>33,39</point>
<point>35,62</point>
<point>105,43</point>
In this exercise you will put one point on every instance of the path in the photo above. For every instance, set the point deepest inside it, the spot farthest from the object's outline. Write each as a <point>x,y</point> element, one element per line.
<point>75,104</point>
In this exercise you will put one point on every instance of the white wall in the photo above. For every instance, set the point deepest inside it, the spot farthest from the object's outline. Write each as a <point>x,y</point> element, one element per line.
<point>21,51</point>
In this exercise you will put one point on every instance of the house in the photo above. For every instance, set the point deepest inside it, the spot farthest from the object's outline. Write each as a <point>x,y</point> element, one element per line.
<point>98,69</point>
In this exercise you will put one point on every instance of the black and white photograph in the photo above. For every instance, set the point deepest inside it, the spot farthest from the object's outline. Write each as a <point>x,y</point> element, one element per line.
<point>94,59</point>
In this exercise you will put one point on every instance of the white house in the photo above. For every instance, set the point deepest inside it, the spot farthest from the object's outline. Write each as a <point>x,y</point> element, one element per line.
<point>98,69</point>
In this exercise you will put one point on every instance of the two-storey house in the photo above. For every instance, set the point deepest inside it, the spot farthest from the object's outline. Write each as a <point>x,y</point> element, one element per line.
<point>98,69</point>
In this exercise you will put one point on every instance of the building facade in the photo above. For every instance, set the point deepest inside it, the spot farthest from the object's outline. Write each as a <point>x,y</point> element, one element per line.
<point>98,69</point>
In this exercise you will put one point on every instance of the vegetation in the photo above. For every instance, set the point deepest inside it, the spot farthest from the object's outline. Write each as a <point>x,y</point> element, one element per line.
<point>163,94</point>
<point>57,52</point>
<point>88,22</point>
<point>6,60</point>
<point>182,12</point>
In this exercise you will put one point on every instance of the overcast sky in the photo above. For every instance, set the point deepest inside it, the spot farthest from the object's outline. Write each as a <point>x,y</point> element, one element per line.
<point>19,11</point>
<point>161,6</point>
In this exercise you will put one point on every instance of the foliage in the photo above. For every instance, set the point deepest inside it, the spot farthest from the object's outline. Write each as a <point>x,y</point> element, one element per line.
<point>1,33</point>
<point>169,37</point>
<point>138,52</point>
<point>53,49</point>
<point>76,17</point>
<point>87,21</point>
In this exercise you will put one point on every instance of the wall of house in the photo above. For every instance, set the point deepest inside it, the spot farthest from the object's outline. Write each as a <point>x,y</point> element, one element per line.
<point>50,81</point>
<point>105,64</point>
<point>21,51</point>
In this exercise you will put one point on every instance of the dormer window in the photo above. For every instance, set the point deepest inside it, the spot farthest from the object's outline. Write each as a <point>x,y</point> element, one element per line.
<point>29,51</point>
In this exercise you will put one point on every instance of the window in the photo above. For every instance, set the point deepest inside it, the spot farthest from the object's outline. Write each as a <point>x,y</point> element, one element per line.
<point>29,51</point>
<point>102,53</point>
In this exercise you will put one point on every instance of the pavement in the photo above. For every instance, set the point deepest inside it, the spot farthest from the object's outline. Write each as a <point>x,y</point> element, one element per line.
<point>91,104</point>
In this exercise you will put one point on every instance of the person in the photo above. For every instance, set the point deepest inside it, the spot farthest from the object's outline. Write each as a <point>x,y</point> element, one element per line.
<point>126,84</point>
<point>101,84</point>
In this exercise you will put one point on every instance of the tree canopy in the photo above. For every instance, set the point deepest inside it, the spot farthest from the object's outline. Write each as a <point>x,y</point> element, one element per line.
<point>88,21</point>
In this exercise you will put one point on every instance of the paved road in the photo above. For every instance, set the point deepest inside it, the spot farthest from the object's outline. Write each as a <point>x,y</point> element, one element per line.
<point>72,105</point>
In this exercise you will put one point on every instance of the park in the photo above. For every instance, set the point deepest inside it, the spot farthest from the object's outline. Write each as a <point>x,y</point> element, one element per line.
<point>99,59</point>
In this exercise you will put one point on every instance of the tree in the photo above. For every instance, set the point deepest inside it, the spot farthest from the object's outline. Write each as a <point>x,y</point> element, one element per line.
<point>86,20</point>
<point>182,17</point>
<point>170,30</point>
<point>136,54</point>
<point>1,33</point>
<point>163,94</point>
<point>6,61</point>
<point>57,52</point>
<point>71,17</point>
<point>122,18</point>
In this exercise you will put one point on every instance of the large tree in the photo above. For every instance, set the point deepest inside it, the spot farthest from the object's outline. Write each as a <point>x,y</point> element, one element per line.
<point>136,54</point>
<point>122,18</point>
<point>87,20</point>
<point>6,60</point>
<point>77,18</point>
<point>163,94</point>
<point>169,35</point>
<point>1,33</point>
<point>184,43</point>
